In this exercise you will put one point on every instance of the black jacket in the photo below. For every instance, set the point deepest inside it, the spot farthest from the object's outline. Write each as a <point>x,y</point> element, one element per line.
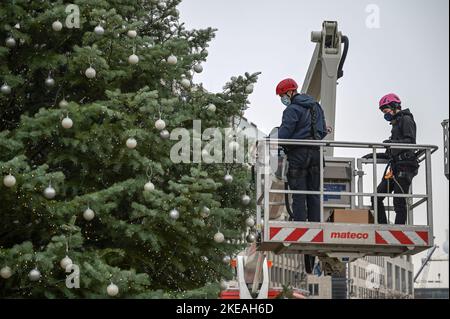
<point>403,132</point>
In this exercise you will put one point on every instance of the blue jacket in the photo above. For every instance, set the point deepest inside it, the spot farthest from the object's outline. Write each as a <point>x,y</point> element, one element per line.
<point>297,119</point>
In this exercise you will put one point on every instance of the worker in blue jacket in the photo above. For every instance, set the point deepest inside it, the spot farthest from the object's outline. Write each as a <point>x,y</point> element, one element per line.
<point>303,119</point>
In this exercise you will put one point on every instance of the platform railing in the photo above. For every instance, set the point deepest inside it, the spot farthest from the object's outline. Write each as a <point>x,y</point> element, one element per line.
<point>264,171</point>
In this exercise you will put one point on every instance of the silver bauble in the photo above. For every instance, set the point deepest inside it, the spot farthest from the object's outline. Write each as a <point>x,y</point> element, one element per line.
<point>63,103</point>
<point>10,42</point>
<point>132,33</point>
<point>34,275</point>
<point>164,134</point>
<point>205,212</point>
<point>172,60</point>
<point>219,238</point>
<point>160,125</point>
<point>198,68</point>
<point>88,214</point>
<point>49,192</point>
<point>50,82</point>
<point>112,290</point>
<point>131,143</point>
<point>5,272</point>
<point>90,73</point>
<point>174,214</point>
<point>133,59</point>
<point>9,180</point>
<point>228,178</point>
<point>226,260</point>
<point>149,187</point>
<point>57,26</point>
<point>250,238</point>
<point>65,262</point>
<point>246,199</point>
<point>5,89</point>
<point>67,123</point>
<point>250,222</point>
<point>99,30</point>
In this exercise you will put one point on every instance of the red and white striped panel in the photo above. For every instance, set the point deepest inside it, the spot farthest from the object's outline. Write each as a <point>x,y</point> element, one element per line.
<point>400,237</point>
<point>297,235</point>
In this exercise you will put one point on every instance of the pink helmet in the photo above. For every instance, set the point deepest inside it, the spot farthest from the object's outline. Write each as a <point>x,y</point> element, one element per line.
<point>388,99</point>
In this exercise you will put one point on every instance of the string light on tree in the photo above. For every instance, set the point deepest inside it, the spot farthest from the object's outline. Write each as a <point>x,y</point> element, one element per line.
<point>9,181</point>
<point>57,26</point>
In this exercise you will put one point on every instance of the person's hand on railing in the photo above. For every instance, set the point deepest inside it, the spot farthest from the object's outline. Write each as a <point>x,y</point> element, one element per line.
<point>381,156</point>
<point>387,142</point>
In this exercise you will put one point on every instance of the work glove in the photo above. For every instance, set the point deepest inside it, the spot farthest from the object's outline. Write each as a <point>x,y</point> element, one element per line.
<point>382,156</point>
<point>387,141</point>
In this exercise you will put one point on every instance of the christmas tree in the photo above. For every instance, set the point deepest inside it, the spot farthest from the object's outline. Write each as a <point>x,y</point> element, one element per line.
<point>90,93</point>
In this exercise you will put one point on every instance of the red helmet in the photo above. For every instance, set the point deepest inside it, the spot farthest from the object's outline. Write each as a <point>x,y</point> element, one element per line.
<point>286,85</point>
<point>388,99</point>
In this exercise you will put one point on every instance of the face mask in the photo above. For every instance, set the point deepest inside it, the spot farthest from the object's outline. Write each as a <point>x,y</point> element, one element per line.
<point>388,117</point>
<point>286,100</point>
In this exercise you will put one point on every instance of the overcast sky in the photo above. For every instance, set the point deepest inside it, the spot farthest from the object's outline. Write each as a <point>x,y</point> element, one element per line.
<point>408,54</point>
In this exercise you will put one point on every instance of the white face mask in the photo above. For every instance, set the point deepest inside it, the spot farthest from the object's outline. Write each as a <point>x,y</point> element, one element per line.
<point>286,100</point>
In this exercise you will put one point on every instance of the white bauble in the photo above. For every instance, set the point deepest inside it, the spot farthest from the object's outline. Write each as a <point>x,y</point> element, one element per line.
<point>10,42</point>
<point>186,83</point>
<point>5,89</point>
<point>133,59</point>
<point>112,290</point>
<point>174,214</point>
<point>57,26</point>
<point>228,178</point>
<point>65,262</point>
<point>172,60</point>
<point>250,222</point>
<point>246,199</point>
<point>63,104</point>
<point>6,272</point>
<point>160,125</point>
<point>99,30</point>
<point>149,187</point>
<point>205,212</point>
<point>90,73</point>
<point>9,180</point>
<point>88,214</point>
<point>50,82</point>
<point>249,89</point>
<point>131,143</point>
<point>198,68</point>
<point>226,260</point>
<point>234,146</point>
<point>132,33</point>
<point>67,123</point>
<point>49,192</point>
<point>219,238</point>
<point>223,285</point>
<point>164,134</point>
<point>34,275</point>
<point>211,108</point>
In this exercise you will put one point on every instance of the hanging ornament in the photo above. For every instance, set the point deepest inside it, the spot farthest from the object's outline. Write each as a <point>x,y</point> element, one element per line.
<point>63,104</point>
<point>250,238</point>
<point>99,30</point>
<point>250,222</point>
<point>211,108</point>
<point>5,89</point>
<point>17,26</point>
<point>9,180</point>
<point>132,33</point>
<point>149,187</point>
<point>133,59</point>
<point>10,42</point>
<point>198,68</point>
<point>186,83</point>
<point>172,60</point>
<point>49,192</point>
<point>6,272</point>
<point>34,275</point>
<point>57,26</point>
<point>246,200</point>
<point>249,89</point>
<point>90,72</point>
<point>65,262</point>
<point>205,212</point>
<point>219,238</point>
<point>226,260</point>
<point>164,134</point>
<point>160,125</point>
<point>131,143</point>
<point>50,82</point>
<point>234,146</point>
<point>174,214</point>
<point>67,123</point>
<point>88,214</point>
<point>112,290</point>
<point>228,178</point>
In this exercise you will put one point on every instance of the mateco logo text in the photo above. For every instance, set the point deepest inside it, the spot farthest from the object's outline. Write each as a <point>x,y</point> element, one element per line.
<point>349,235</point>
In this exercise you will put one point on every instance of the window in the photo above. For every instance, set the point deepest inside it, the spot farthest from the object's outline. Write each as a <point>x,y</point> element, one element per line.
<point>354,271</point>
<point>397,278</point>
<point>313,289</point>
<point>389,275</point>
<point>403,280</point>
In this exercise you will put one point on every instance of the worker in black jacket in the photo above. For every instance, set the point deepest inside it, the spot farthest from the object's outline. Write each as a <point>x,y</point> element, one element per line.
<point>403,165</point>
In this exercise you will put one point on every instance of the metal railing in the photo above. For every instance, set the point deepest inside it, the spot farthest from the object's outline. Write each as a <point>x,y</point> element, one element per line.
<point>264,172</point>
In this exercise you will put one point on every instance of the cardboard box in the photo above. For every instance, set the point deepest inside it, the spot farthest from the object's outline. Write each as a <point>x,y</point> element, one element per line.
<point>351,216</point>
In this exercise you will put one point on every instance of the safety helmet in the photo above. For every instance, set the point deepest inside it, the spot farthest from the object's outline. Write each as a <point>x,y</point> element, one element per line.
<point>286,85</point>
<point>388,99</point>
